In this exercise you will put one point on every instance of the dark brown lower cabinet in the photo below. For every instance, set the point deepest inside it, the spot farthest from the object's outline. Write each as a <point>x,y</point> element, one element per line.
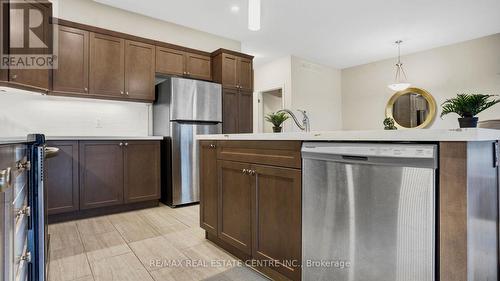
<point>62,178</point>
<point>235,205</point>
<point>209,190</point>
<point>142,170</point>
<point>259,205</point>
<point>277,218</point>
<point>101,174</point>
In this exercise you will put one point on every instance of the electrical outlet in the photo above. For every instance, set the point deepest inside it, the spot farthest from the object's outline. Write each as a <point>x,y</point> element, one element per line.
<point>98,123</point>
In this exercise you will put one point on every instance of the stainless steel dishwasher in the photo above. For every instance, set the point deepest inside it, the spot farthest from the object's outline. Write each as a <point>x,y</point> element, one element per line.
<point>368,211</point>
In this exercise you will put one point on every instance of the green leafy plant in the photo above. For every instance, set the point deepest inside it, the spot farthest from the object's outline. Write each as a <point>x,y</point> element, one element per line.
<point>277,118</point>
<point>389,124</point>
<point>468,105</point>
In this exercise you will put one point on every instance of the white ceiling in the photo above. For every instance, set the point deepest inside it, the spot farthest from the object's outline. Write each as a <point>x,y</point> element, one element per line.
<point>339,33</point>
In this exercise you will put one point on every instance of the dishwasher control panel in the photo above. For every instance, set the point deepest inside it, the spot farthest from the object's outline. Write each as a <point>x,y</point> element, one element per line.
<point>373,149</point>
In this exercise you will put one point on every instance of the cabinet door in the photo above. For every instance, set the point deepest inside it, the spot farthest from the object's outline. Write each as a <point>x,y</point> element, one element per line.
<point>235,205</point>
<point>229,71</point>
<point>170,61</point>
<point>142,170</point>
<point>107,65</point>
<point>101,174</point>
<point>245,74</point>
<point>34,78</point>
<point>277,218</point>
<point>209,190</point>
<point>198,66</point>
<point>72,73</point>
<point>62,178</point>
<point>229,111</point>
<point>245,112</point>
<point>139,71</point>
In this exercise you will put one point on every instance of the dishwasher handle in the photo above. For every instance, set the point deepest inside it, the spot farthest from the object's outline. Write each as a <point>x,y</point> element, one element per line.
<point>355,158</point>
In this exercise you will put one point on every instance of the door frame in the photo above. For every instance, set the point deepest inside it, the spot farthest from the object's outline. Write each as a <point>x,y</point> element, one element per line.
<point>260,105</point>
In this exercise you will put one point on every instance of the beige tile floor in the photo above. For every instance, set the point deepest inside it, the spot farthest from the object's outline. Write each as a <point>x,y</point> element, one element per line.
<point>153,244</point>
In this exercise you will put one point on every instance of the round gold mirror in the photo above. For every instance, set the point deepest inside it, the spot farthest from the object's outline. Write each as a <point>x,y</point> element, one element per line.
<point>411,108</point>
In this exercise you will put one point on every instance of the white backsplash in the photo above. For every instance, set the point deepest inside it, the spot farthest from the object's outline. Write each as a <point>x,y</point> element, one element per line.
<point>22,113</point>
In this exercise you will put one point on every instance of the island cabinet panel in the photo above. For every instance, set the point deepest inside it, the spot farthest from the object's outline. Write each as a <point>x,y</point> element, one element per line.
<point>258,200</point>
<point>72,73</point>
<point>101,174</point>
<point>142,171</point>
<point>209,189</point>
<point>277,218</point>
<point>62,178</point>
<point>107,65</point>
<point>235,205</point>
<point>139,70</point>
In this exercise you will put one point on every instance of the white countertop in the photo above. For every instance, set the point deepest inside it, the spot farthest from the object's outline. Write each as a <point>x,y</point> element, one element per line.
<point>474,134</point>
<point>56,138</point>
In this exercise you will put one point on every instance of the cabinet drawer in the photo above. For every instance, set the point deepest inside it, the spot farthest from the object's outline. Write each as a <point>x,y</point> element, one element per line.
<point>274,153</point>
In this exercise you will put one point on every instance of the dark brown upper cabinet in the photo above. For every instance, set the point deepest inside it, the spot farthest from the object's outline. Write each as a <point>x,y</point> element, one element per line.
<point>101,174</point>
<point>182,63</point>
<point>72,73</point>
<point>142,170</point>
<point>139,71</point>
<point>25,78</point>
<point>62,178</point>
<point>107,66</point>
<point>209,189</point>
<point>233,70</point>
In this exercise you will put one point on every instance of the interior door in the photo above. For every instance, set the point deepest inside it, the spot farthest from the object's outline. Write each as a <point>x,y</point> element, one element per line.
<point>185,187</point>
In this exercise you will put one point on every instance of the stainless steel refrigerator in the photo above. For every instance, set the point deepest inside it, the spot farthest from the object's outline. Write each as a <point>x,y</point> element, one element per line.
<point>184,108</point>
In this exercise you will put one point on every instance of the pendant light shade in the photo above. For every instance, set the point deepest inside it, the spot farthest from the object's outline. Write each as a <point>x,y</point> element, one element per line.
<point>254,15</point>
<point>400,81</point>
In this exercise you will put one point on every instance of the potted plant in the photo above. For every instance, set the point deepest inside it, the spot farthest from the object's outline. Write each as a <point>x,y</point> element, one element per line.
<point>277,119</point>
<point>467,106</point>
<point>389,124</point>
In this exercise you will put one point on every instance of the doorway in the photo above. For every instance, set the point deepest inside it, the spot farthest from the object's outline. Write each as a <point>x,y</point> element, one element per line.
<point>269,102</point>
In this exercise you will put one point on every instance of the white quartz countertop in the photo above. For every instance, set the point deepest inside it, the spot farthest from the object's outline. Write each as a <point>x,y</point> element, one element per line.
<point>473,134</point>
<point>55,138</point>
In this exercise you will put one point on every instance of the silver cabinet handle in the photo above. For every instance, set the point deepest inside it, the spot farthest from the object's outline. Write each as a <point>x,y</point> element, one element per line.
<point>212,145</point>
<point>244,171</point>
<point>121,144</point>
<point>252,172</point>
<point>121,92</point>
<point>5,179</point>
<point>126,93</point>
<point>24,165</point>
<point>86,89</point>
<point>25,211</point>
<point>14,77</point>
<point>126,144</point>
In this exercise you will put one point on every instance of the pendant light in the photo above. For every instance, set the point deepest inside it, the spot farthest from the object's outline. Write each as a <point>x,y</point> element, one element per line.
<point>400,82</point>
<point>254,15</point>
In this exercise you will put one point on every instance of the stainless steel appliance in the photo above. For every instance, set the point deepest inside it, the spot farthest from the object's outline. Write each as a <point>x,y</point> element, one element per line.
<point>368,211</point>
<point>22,214</point>
<point>184,108</point>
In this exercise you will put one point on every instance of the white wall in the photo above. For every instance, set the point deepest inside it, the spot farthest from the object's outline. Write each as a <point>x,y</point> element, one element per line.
<point>472,67</point>
<point>24,113</point>
<point>96,14</point>
<point>317,89</point>
<point>306,85</point>
<point>274,75</point>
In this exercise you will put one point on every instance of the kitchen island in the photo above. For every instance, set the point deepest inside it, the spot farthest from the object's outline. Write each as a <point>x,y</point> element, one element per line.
<point>252,197</point>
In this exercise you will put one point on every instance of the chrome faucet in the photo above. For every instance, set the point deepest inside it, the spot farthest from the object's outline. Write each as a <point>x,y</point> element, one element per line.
<point>305,126</point>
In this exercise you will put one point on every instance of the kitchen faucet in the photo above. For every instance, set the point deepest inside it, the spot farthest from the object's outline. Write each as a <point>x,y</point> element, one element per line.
<point>305,126</point>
